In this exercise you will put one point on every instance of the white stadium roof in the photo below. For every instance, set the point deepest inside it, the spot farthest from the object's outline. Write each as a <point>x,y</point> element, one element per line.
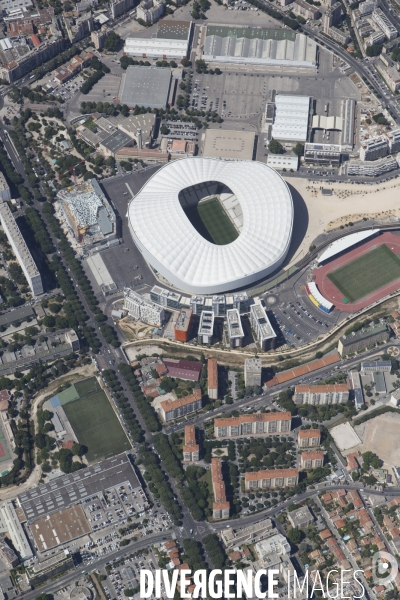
<point>169,242</point>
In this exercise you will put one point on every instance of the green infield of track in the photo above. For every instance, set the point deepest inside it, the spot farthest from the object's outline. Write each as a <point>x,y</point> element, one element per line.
<point>211,221</point>
<point>366,274</point>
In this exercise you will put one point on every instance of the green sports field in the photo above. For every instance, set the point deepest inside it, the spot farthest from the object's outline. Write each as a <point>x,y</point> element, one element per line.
<point>95,424</point>
<point>366,274</point>
<point>211,221</point>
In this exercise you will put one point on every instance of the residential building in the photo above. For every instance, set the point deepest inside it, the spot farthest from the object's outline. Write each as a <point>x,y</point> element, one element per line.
<point>10,524</point>
<point>301,517</point>
<point>7,5</point>
<point>212,373</point>
<point>353,463</point>
<point>235,329</point>
<point>394,140</point>
<point>367,8</point>
<point>150,11</point>
<point>221,506</point>
<point>378,37</point>
<point>312,459</point>
<point>378,366</point>
<point>191,449</point>
<point>247,535</point>
<point>174,409</point>
<point>272,548</point>
<point>263,330</point>
<point>391,76</point>
<point>355,382</point>
<point>7,554</point>
<point>276,478</point>
<point>321,394</point>
<point>309,438</point>
<point>78,28</point>
<point>257,424</point>
<point>372,168</point>
<point>322,154</point>
<point>338,35</point>
<point>14,64</point>
<point>384,23</point>
<point>99,37</point>
<point>72,339</point>
<point>20,250</point>
<point>308,11</point>
<point>252,372</point>
<point>332,16</point>
<point>359,340</point>
<point>374,148</point>
<point>143,310</point>
<point>188,370</point>
<point>206,327</point>
<point>120,7</point>
<point>5,193</point>
<point>183,325</point>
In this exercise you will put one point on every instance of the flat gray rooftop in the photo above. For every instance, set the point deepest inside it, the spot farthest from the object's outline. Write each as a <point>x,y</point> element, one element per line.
<point>145,86</point>
<point>173,30</point>
<point>74,487</point>
<point>116,141</point>
<point>19,314</point>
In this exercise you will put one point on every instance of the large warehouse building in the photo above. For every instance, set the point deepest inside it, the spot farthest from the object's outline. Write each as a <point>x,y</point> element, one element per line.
<point>145,86</point>
<point>253,45</point>
<point>178,249</point>
<point>291,118</point>
<point>171,42</point>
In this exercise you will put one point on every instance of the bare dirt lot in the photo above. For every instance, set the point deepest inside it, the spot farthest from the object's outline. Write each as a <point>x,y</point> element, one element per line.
<point>381,435</point>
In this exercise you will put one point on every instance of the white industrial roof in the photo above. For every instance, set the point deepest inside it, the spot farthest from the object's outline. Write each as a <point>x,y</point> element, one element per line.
<point>345,242</point>
<point>291,118</point>
<point>167,239</point>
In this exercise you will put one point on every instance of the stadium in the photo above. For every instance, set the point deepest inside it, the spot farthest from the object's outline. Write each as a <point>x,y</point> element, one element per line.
<point>210,226</point>
<point>353,278</point>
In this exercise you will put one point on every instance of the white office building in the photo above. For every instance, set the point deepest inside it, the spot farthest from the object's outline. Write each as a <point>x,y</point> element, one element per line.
<point>372,168</point>
<point>206,327</point>
<point>374,148</point>
<point>10,524</point>
<point>394,140</point>
<point>235,329</point>
<point>21,250</point>
<point>141,309</point>
<point>262,328</point>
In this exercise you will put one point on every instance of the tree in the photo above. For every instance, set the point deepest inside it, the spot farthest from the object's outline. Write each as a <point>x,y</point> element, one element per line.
<point>164,130</point>
<point>78,449</point>
<point>295,536</point>
<point>319,354</point>
<point>275,147</point>
<point>299,149</point>
<point>374,50</point>
<point>112,42</point>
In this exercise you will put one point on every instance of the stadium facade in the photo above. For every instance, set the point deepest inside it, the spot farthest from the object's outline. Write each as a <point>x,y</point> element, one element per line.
<point>170,243</point>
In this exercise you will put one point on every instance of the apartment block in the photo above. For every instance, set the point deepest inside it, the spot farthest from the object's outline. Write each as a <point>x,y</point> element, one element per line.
<point>359,340</point>
<point>183,325</point>
<point>221,506</point>
<point>372,168</point>
<point>235,329</point>
<point>99,37</point>
<point>191,449</point>
<point>332,16</point>
<point>394,140</point>
<point>355,382</point>
<point>174,409</point>
<point>212,373</point>
<point>374,148</point>
<point>276,478</point>
<point>256,424</point>
<point>309,438</point>
<point>367,8</point>
<point>206,327</point>
<point>265,335</point>
<point>384,23</point>
<point>119,7</point>
<point>338,35</point>
<point>321,394</point>
<point>308,11</point>
<point>312,460</point>
<point>141,309</point>
<point>150,10</point>
<point>20,249</point>
<point>252,372</point>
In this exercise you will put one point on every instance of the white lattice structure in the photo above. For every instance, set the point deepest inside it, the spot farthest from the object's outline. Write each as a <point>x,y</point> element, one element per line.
<point>169,242</point>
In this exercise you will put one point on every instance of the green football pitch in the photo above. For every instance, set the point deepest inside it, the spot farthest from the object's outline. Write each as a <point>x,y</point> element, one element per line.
<point>211,221</point>
<point>366,274</point>
<point>96,425</point>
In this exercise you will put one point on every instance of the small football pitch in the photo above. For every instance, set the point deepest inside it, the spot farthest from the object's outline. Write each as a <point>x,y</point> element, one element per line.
<point>95,423</point>
<point>366,274</point>
<point>211,221</point>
